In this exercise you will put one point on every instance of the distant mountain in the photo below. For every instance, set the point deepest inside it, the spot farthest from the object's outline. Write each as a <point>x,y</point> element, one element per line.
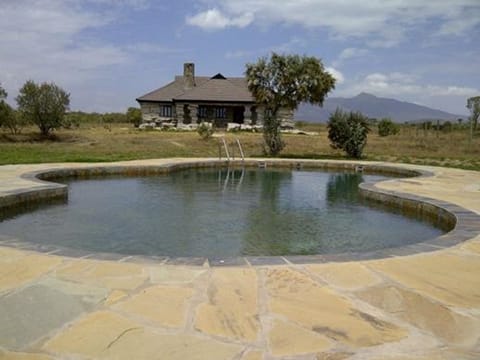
<point>373,107</point>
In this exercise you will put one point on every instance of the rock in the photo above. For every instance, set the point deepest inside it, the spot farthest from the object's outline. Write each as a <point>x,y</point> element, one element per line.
<point>233,127</point>
<point>147,126</point>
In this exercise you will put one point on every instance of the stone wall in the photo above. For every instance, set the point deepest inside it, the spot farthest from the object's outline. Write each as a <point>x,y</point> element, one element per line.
<point>151,112</point>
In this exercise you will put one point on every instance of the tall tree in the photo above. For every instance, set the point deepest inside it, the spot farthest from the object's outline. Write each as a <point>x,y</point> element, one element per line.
<point>285,81</point>
<point>473,104</point>
<point>3,93</point>
<point>7,114</point>
<point>44,105</point>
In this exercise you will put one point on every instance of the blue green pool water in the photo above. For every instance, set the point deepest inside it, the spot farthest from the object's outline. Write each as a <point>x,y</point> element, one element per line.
<point>219,213</point>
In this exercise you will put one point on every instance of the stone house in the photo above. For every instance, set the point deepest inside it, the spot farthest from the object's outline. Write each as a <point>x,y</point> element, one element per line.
<point>191,99</point>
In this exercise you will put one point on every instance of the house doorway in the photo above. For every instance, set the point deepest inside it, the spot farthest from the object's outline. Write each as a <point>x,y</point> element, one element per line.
<point>238,114</point>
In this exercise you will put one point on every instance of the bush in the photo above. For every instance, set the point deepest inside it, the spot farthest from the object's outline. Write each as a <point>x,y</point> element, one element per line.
<point>134,116</point>
<point>205,130</point>
<point>387,127</point>
<point>447,126</point>
<point>348,132</point>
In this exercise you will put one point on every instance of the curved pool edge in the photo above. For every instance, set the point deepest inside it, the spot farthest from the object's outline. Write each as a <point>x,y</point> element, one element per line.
<point>30,183</point>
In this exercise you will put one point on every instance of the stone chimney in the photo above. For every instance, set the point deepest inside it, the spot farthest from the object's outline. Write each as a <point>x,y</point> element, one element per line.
<point>188,75</point>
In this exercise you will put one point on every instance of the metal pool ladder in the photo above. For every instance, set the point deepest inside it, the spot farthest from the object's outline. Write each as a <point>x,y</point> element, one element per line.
<point>227,152</point>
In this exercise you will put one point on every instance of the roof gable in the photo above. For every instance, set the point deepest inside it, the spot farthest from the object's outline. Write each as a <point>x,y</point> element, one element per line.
<point>216,88</point>
<point>218,77</point>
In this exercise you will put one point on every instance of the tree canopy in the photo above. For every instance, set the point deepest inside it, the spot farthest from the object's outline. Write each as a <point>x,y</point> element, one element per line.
<point>473,104</point>
<point>44,105</point>
<point>7,114</point>
<point>3,93</point>
<point>285,81</point>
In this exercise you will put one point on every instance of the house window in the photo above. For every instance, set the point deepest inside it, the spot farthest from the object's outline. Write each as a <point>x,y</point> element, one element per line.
<point>220,112</point>
<point>202,112</point>
<point>165,110</point>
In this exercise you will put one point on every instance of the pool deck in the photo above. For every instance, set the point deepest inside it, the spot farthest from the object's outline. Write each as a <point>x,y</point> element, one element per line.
<point>62,305</point>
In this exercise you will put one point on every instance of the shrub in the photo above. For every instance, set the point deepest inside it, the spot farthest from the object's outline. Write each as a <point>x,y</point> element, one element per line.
<point>348,132</point>
<point>134,116</point>
<point>387,127</point>
<point>205,130</point>
<point>447,126</point>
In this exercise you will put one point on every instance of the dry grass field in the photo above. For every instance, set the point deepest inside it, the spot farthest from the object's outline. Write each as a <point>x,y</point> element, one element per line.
<point>122,142</point>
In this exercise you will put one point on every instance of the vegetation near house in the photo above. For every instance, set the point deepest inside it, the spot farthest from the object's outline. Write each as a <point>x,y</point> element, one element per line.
<point>286,81</point>
<point>43,105</point>
<point>134,116</point>
<point>387,127</point>
<point>348,132</point>
<point>205,130</point>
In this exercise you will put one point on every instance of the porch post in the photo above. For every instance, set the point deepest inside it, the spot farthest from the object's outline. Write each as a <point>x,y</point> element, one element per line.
<point>179,113</point>
<point>193,113</point>
<point>247,115</point>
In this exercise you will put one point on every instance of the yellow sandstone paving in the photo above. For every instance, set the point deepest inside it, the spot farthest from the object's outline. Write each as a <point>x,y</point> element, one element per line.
<point>112,275</point>
<point>448,277</point>
<point>23,356</point>
<point>18,270</point>
<point>472,245</point>
<point>104,335</point>
<point>163,305</point>
<point>115,296</point>
<point>166,274</point>
<point>349,276</point>
<point>299,299</point>
<point>231,308</point>
<point>340,355</point>
<point>290,339</point>
<point>425,314</point>
<point>253,355</point>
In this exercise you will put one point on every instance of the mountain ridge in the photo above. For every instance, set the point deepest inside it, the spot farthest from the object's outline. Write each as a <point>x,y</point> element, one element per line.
<point>373,107</point>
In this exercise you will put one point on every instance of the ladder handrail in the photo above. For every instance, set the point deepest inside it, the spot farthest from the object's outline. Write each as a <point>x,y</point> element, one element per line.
<point>241,149</point>
<point>227,154</point>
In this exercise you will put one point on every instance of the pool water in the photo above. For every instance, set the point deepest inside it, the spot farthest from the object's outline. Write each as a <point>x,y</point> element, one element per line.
<point>218,213</point>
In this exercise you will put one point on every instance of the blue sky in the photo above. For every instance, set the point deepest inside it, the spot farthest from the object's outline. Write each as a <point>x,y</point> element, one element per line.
<point>108,52</point>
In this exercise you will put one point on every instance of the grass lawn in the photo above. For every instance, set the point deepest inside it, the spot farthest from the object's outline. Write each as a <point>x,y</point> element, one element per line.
<point>122,142</point>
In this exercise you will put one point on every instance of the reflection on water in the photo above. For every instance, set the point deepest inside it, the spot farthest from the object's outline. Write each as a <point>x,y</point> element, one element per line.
<point>218,213</point>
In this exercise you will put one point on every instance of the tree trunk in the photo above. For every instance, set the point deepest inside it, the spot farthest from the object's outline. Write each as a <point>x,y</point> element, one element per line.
<point>271,133</point>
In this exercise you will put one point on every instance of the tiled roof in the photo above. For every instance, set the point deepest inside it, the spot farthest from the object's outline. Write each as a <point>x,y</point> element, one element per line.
<point>206,89</point>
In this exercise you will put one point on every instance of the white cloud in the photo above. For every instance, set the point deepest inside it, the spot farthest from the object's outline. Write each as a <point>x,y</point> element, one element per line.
<point>214,19</point>
<point>384,22</point>
<point>44,40</point>
<point>408,87</point>
<point>340,79</point>
<point>394,84</point>
<point>352,52</point>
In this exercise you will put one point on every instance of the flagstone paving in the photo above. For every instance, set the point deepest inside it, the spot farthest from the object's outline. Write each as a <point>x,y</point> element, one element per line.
<point>422,306</point>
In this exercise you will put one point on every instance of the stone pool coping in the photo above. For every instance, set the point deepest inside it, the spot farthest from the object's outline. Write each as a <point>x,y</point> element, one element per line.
<point>30,183</point>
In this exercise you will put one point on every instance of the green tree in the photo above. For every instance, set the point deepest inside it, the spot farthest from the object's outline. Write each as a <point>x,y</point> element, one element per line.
<point>284,81</point>
<point>387,127</point>
<point>44,105</point>
<point>348,132</point>
<point>3,93</point>
<point>473,104</point>
<point>9,118</point>
<point>134,116</point>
